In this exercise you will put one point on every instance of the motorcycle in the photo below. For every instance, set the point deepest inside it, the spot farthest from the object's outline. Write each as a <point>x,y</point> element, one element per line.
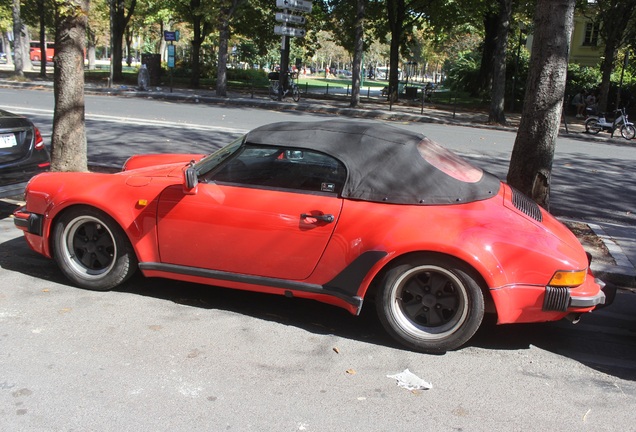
<point>596,123</point>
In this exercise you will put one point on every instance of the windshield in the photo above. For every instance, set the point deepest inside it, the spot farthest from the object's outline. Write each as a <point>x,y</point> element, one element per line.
<point>208,163</point>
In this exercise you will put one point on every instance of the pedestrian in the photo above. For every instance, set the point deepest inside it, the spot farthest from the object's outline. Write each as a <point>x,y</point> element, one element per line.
<point>578,101</point>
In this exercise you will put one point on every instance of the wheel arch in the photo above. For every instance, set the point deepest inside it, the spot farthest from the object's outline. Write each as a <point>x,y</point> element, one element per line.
<point>62,211</point>
<point>372,287</point>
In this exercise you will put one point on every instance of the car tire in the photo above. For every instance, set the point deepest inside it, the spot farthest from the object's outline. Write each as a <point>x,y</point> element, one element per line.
<point>430,304</point>
<point>592,126</point>
<point>92,250</point>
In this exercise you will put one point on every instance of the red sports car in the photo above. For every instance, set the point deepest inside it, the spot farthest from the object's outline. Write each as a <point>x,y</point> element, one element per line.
<point>336,211</point>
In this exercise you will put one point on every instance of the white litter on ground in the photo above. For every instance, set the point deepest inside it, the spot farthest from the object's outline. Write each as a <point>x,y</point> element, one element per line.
<point>410,381</point>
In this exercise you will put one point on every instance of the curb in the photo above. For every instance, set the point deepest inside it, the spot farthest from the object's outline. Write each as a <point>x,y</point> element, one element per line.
<point>623,273</point>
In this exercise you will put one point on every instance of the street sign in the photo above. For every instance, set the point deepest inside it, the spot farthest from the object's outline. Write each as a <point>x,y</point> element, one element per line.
<point>169,35</point>
<point>297,5</point>
<point>289,31</point>
<point>289,18</point>
<point>171,52</point>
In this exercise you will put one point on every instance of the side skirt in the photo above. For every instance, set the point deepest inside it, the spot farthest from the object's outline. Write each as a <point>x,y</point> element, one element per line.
<point>344,286</point>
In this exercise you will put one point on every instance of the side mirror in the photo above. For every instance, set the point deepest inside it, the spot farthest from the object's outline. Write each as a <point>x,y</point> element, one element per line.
<point>190,180</point>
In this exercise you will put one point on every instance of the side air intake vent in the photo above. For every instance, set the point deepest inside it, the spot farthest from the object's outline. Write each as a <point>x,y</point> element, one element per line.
<point>526,205</point>
<point>556,299</point>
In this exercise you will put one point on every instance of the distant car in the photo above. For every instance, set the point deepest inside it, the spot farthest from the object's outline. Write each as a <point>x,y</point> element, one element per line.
<point>337,211</point>
<point>22,153</point>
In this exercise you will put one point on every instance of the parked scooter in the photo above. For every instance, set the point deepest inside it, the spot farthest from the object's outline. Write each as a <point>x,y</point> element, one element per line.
<point>596,123</point>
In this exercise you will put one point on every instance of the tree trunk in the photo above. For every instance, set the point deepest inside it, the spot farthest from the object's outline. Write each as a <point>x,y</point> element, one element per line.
<point>6,45</point>
<point>43,59</point>
<point>488,53</point>
<point>497,97</point>
<point>68,141</point>
<point>120,21</point>
<point>531,161</point>
<point>357,55</point>
<point>221,73</point>
<point>396,11</point>
<point>197,40</point>
<point>90,47</point>
<point>18,52</point>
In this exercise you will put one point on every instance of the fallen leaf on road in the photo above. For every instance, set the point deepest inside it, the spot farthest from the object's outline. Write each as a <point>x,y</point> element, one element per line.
<point>336,350</point>
<point>351,371</point>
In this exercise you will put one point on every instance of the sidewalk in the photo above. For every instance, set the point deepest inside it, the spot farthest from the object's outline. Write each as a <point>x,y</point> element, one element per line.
<point>614,248</point>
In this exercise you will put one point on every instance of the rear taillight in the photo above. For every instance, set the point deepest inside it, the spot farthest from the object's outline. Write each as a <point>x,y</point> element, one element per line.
<point>39,142</point>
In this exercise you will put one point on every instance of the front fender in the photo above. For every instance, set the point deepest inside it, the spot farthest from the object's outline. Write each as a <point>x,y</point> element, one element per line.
<point>132,204</point>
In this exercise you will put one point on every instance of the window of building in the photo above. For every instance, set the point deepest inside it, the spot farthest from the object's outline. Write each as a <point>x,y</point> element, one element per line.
<point>591,34</point>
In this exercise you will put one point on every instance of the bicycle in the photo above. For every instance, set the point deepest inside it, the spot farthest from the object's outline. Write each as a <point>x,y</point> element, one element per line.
<point>291,88</point>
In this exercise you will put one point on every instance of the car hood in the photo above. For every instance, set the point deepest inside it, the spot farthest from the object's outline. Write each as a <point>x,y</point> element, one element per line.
<point>159,162</point>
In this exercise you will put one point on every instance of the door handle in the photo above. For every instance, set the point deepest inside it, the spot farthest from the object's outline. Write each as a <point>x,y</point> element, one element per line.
<point>327,218</point>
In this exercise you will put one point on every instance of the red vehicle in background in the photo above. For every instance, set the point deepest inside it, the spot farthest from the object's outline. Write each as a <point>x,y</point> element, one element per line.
<point>35,52</point>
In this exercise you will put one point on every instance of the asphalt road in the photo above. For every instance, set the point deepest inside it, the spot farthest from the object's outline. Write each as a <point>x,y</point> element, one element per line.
<point>160,355</point>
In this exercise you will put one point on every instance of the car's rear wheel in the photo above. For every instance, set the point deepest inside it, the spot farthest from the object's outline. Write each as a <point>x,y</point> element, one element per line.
<point>430,304</point>
<point>92,250</point>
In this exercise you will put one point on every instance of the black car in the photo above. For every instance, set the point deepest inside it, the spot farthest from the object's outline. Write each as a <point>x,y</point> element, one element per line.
<point>22,153</point>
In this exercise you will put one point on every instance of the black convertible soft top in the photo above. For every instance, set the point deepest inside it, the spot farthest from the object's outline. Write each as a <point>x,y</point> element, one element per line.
<point>385,163</point>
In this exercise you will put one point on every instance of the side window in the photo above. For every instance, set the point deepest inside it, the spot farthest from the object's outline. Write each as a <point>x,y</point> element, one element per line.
<point>282,168</point>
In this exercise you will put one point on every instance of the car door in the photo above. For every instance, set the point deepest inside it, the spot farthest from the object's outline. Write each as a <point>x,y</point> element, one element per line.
<point>268,212</point>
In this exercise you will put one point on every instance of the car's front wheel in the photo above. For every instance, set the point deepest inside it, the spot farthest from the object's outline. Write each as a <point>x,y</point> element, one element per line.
<point>430,304</point>
<point>92,250</point>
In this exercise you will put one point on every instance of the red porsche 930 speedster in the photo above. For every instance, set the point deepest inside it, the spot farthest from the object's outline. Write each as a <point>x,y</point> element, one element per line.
<point>337,211</point>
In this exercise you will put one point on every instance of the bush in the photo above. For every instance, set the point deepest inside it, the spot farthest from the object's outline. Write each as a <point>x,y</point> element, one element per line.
<point>581,78</point>
<point>463,74</point>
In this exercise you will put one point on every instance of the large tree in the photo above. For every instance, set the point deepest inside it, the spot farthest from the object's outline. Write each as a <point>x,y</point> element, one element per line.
<point>531,161</point>
<point>68,142</point>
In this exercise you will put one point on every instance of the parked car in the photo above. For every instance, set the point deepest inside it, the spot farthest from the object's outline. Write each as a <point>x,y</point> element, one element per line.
<point>343,212</point>
<point>22,153</point>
